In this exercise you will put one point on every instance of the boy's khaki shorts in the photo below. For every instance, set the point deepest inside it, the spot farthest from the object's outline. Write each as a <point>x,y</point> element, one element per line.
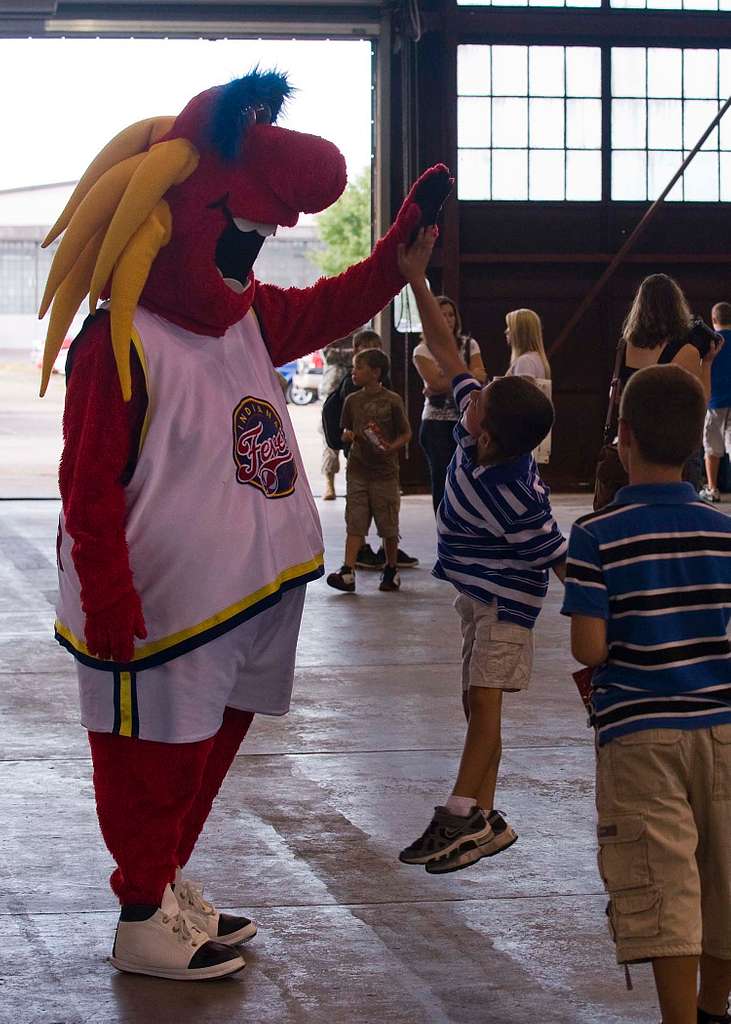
<point>664,831</point>
<point>372,499</point>
<point>495,654</point>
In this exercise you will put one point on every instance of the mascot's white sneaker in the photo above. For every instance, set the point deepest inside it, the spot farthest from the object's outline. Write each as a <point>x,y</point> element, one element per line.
<point>169,945</point>
<point>226,928</point>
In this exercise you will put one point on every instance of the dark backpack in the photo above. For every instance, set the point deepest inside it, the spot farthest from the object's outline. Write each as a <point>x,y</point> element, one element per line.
<point>332,410</point>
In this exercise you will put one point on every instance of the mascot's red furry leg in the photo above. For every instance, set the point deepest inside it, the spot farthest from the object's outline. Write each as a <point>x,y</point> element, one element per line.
<point>227,741</point>
<point>153,800</point>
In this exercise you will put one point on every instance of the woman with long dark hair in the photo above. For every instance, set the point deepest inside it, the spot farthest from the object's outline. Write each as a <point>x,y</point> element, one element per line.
<point>436,435</point>
<point>657,330</point>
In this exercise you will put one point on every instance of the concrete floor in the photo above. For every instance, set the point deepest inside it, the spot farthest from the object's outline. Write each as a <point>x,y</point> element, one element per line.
<point>307,828</point>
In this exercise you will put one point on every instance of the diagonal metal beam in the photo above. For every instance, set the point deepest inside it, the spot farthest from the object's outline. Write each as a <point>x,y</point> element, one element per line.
<point>597,287</point>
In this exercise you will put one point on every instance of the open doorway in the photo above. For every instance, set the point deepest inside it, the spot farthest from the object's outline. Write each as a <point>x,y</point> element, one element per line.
<point>76,94</point>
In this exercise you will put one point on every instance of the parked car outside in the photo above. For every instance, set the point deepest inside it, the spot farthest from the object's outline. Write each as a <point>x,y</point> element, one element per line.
<point>305,386</point>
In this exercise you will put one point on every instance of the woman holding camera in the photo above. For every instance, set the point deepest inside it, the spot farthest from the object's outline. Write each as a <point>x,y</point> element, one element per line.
<point>436,435</point>
<point>660,328</point>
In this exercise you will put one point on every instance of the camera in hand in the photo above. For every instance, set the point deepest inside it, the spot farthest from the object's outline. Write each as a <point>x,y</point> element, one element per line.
<point>701,336</point>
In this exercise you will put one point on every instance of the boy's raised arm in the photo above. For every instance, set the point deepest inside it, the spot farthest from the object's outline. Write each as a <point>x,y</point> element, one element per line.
<point>412,263</point>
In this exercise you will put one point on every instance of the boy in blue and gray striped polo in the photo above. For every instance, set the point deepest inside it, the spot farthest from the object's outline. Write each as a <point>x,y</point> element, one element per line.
<point>648,587</point>
<point>497,540</point>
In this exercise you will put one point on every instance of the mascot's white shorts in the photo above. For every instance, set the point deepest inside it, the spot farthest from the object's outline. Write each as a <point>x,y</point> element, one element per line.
<point>182,701</point>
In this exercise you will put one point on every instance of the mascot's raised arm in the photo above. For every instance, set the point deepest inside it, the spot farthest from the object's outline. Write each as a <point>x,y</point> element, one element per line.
<point>188,531</point>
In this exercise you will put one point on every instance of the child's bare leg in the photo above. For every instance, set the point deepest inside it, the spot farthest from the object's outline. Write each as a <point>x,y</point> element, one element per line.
<point>676,980</point>
<point>353,544</point>
<point>481,756</point>
<point>712,465</point>
<point>486,794</point>
<point>390,546</point>
<point>715,984</point>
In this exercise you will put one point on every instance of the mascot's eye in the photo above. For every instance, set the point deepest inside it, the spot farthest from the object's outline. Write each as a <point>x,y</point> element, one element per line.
<point>261,229</point>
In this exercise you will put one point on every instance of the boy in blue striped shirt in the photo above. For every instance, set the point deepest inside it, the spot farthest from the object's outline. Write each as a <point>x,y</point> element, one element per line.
<point>497,538</point>
<point>648,589</point>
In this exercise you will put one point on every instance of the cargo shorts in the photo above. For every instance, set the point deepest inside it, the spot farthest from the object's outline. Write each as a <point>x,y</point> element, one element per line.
<point>366,499</point>
<point>497,655</point>
<point>664,803</point>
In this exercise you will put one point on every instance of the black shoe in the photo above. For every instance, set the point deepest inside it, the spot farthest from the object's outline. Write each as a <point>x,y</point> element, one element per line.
<point>343,579</point>
<point>390,579</point>
<point>368,559</point>
<point>404,561</point>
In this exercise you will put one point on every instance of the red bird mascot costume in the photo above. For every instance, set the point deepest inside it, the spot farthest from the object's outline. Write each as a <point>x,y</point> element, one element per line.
<point>188,531</point>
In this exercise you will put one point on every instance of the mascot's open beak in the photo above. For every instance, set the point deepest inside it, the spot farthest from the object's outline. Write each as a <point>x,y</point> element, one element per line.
<point>237,249</point>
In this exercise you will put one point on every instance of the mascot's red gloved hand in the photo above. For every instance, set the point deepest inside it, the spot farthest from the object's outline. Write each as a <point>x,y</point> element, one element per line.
<point>423,203</point>
<point>110,632</point>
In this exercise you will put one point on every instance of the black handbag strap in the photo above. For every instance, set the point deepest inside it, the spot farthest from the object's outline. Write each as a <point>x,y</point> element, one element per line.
<point>614,392</point>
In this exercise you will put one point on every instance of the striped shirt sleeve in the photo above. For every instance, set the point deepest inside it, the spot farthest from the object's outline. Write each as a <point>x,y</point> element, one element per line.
<point>586,592</point>
<point>462,387</point>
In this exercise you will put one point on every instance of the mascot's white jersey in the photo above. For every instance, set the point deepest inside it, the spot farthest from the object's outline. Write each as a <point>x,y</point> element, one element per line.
<point>220,517</point>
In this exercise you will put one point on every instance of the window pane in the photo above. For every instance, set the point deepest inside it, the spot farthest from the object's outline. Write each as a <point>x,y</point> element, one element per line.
<point>583,175</point>
<point>510,70</point>
<point>665,124</point>
<point>628,124</point>
<point>627,3</point>
<point>510,174</point>
<point>546,175</point>
<point>584,71</point>
<point>473,174</point>
<point>697,116</point>
<point>665,73</point>
<point>701,5</point>
<point>546,71</point>
<point>628,175</point>
<point>473,70</point>
<point>660,169</point>
<point>473,121</point>
<point>726,177</point>
<point>584,124</point>
<point>509,122</point>
<point>628,72</point>
<point>725,70</point>
<point>546,124</point>
<point>725,128</point>
<point>700,73</point>
<point>667,5</point>
<point>701,178</point>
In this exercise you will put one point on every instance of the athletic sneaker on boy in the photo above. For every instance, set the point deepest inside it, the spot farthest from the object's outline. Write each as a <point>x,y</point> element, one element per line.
<point>648,589</point>
<point>497,538</point>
